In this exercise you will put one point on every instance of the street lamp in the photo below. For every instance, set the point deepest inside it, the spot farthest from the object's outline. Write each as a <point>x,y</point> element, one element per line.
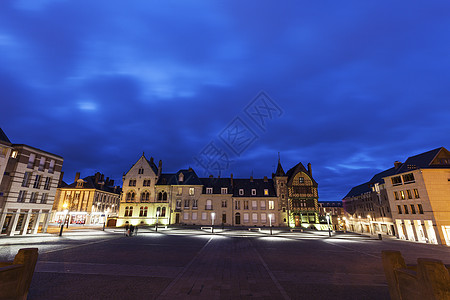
<point>157,218</point>
<point>270,223</point>
<point>328,223</point>
<point>65,217</point>
<point>213,215</point>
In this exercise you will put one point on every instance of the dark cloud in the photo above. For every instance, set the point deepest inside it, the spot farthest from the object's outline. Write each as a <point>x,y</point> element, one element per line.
<point>360,84</point>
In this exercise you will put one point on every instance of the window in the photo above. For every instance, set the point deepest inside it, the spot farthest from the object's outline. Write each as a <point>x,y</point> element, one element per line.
<point>263,218</point>
<point>396,180</point>
<point>416,193</point>
<point>14,154</point>
<point>271,204</point>
<point>147,182</point>
<point>405,207</point>
<point>224,203</point>
<point>33,197</point>
<point>162,196</point>
<point>301,180</point>
<point>204,215</point>
<point>42,164</point>
<point>179,191</point>
<point>194,204</point>
<point>408,178</point>
<point>141,211</point>
<point>241,192</point>
<point>44,198</point>
<point>26,179</point>
<point>31,161</point>
<point>209,190</point>
<point>186,216</point>
<point>408,192</point>
<point>237,204</point>
<point>266,192</point>
<point>163,212</point>
<point>37,182</point>
<point>399,209</point>
<point>254,205</point>
<point>245,204</point>
<point>145,196</point>
<point>126,212</point>
<point>51,168</point>
<point>209,205</point>
<point>141,171</point>
<point>413,209</point>
<point>246,217</point>
<point>191,191</point>
<point>254,217</point>
<point>282,196</point>
<point>396,196</point>
<point>178,204</point>
<point>419,206</point>
<point>21,197</point>
<point>194,216</point>
<point>130,196</point>
<point>48,182</point>
<point>224,190</point>
<point>272,218</point>
<point>402,195</point>
<point>186,204</point>
<point>262,204</point>
<point>132,182</point>
<point>253,192</point>
<point>130,213</point>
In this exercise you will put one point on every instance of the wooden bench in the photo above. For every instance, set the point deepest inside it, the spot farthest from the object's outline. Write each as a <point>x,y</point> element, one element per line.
<point>429,279</point>
<point>254,228</point>
<point>15,276</point>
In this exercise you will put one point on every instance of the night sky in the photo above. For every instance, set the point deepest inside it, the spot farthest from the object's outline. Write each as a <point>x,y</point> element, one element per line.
<point>350,86</point>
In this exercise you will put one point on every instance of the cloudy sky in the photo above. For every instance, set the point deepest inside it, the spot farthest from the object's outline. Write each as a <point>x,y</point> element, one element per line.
<point>350,86</point>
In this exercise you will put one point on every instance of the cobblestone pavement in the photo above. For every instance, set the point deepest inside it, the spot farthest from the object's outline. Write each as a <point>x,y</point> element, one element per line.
<point>195,264</point>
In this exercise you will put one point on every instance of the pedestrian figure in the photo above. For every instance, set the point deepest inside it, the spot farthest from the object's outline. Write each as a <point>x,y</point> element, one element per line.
<point>131,229</point>
<point>127,233</point>
<point>135,230</point>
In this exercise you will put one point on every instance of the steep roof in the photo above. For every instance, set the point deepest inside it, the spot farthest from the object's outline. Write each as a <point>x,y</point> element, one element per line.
<point>378,178</point>
<point>4,138</point>
<point>259,185</point>
<point>424,160</point>
<point>89,183</point>
<point>359,190</point>
<point>299,168</point>
<point>279,171</point>
<point>189,178</point>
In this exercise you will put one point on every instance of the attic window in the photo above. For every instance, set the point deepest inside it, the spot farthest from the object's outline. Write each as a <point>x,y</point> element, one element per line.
<point>209,190</point>
<point>241,191</point>
<point>266,192</point>
<point>301,179</point>
<point>181,177</point>
<point>253,192</point>
<point>80,184</point>
<point>141,171</point>
<point>224,190</point>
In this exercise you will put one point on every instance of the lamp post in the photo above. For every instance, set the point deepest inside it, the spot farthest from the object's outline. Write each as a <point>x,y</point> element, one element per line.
<point>157,219</point>
<point>328,223</point>
<point>65,217</point>
<point>213,215</point>
<point>270,223</point>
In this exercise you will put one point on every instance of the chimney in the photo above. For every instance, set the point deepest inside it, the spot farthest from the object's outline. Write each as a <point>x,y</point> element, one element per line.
<point>111,182</point>
<point>265,179</point>
<point>397,164</point>
<point>159,168</point>
<point>251,178</point>
<point>77,176</point>
<point>61,175</point>
<point>231,179</point>
<point>97,177</point>
<point>107,181</point>
<point>211,176</point>
<point>309,169</point>
<point>151,159</point>
<point>102,178</point>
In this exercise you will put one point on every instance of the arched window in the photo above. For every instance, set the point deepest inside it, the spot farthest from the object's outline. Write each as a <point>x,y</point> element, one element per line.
<point>130,212</point>
<point>160,196</point>
<point>158,209</point>
<point>145,211</point>
<point>237,219</point>
<point>126,212</point>
<point>164,196</point>
<point>132,196</point>
<point>141,211</point>
<point>145,196</point>
<point>163,212</point>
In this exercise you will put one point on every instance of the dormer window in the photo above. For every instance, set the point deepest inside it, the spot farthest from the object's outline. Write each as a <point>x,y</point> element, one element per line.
<point>181,177</point>
<point>241,192</point>
<point>266,192</point>
<point>224,190</point>
<point>301,180</point>
<point>253,192</point>
<point>141,171</point>
<point>209,190</point>
<point>80,183</point>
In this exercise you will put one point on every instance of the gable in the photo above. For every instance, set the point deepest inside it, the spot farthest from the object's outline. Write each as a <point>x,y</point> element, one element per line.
<point>141,164</point>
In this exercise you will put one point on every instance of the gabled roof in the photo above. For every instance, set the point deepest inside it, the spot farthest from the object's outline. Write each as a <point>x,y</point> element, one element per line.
<point>378,178</point>
<point>4,138</point>
<point>89,183</point>
<point>299,168</point>
<point>279,171</point>
<point>359,190</point>
<point>424,160</point>
<point>189,178</point>
<point>150,163</point>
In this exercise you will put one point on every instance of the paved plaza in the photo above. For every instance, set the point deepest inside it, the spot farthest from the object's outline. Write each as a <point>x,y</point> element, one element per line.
<point>193,263</point>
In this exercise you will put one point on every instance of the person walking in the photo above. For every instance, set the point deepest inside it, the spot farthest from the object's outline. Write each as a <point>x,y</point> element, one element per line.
<point>131,229</point>
<point>135,230</point>
<point>127,233</point>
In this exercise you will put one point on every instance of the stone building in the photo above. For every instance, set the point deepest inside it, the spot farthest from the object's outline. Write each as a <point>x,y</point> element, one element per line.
<point>90,200</point>
<point>151,196</point>
<point>28,188</point>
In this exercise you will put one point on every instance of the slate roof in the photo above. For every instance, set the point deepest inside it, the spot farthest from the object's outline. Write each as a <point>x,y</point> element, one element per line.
<point>378,178</point>
<point>297,168</point>
<point>90,184</point>
<point>422,161</point>
<point>152,165</point>
<point>190,178</point>
<point>331,203</point>
<point>216,184</point>
<point>3,137</point>
<point>259,184</point>
<point>279,171</point>
<point>359,190</point>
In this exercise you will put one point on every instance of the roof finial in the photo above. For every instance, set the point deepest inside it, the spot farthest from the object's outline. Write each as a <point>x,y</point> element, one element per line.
<point>278,156</point>
<point>143,153</point>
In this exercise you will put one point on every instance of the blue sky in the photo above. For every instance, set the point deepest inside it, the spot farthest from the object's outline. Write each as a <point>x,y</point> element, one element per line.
<point>359,84</point>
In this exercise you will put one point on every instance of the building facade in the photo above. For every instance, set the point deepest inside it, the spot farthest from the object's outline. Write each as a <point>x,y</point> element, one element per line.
<point>28,189</point>
<point>90,200</point>
<point>151,196</point>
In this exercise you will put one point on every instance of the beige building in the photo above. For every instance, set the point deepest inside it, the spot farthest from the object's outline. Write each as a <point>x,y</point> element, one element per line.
<point>28,189</point>
<point>419,196</point>
<point>151,196</point>
<point>90,200</point>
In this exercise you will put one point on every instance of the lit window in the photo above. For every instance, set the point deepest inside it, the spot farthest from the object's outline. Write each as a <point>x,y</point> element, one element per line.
<point>402,194</point>
<point>271,204</point>
<point>416,193</point>
<point>14,154</point>
<point>191,191</point>
<point>180,191</point>
<point>301,180</point>
<point>266,192</point>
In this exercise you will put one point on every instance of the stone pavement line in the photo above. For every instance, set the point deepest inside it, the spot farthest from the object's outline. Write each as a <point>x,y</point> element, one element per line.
<point>348,248</point>
<point>170,286</point>
<point>274,279</point>
<point>227,268</point>
<point>79,245</point>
